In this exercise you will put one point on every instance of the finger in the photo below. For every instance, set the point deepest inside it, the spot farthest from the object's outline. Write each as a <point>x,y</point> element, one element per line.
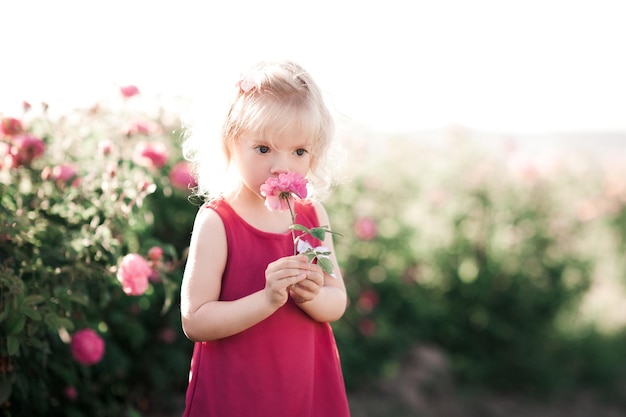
<point>291,281</point>
<point>293,267</point>
<point>286,271</point>
<point>316,269</point>
<point>307,286</point>
<point>316,278</point>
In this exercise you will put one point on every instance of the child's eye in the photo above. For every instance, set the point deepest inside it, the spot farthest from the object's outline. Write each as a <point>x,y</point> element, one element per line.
<point>301,152</point>
<point>262,149</point>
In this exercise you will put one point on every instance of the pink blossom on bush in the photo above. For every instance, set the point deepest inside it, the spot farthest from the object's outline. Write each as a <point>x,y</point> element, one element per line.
<point>64,172</point>
<point>155,253</point>
<point>26,147</point>
<point>367,327</point>
<point>105,147</point>
<point>133,273</point>
<point>366,228</point>
<point>279,190</point>
<point>181,176</point>
<point>146,187</point>
<point>367,301</point>
<point>140,128</point>
<point>129,91</point>
<point>10,126</point>
<point>167,335</point>
<point>151,154</point>
<point>70,393</point>
<point>87,347</point>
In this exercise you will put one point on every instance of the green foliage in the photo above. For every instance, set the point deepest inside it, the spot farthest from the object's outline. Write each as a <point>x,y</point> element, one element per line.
<point>61,240</point>
<point>453,247</point>
<point>480,259</point>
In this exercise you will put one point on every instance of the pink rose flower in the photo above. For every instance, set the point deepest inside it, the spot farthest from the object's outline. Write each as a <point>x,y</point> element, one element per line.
<point>63,172</point>
<point>26,147</point>
<point>105,147</point>
<point>129,91</point>
<point>87,347</point>
<point>140,128</point>
<point>367,301</point>
<point>367,327</point>
<point>10,126</point>
<point>155,253</point>
<point>181,177</point>
<point>167,335</point>
<point>71,393</point>
<point>151,154</point>
<point>366,228</point>
<point>133,273</point>
<point>146,187</point>
<point>278,191</point>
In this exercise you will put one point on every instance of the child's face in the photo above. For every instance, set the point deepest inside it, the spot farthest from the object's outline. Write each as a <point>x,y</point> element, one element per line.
<point>256,158</point>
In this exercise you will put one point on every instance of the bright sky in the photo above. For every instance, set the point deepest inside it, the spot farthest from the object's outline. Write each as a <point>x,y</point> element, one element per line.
<point>524,66</point>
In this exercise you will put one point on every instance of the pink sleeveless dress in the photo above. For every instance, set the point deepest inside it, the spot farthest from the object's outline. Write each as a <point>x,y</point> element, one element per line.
<point>285,366</point>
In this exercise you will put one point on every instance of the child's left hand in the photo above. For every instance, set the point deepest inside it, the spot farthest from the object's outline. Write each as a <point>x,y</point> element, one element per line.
<point>307,289</point>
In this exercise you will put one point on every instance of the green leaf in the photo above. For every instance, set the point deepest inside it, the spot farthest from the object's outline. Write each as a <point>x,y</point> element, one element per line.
<point>300,228</point>
<point>66,323</point>
<point>54,322</point>
<point>33,299</point>
<point>30,312</point>
<point>5,389</point>
<point>36,343</point>
<point>32,329</point>
<point>13,345</point>
<point>326,264</point>
<point>79,298</point>
<point>318,233</point>
<point>16,324</point>
<point>4,314</point>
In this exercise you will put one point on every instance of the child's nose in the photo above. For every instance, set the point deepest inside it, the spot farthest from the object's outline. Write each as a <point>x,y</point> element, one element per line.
<point>280,165</point>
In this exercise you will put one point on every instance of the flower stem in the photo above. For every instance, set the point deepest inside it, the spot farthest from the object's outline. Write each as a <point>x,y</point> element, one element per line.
<point>293,232</point>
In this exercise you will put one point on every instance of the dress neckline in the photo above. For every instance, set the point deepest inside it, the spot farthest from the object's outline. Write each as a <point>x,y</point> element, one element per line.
<point>280,235</point>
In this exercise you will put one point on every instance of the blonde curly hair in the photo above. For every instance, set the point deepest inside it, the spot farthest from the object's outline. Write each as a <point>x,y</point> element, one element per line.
<point>270,98</point>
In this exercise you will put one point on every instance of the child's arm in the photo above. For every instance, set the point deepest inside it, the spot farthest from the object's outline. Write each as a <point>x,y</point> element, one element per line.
<point>321,296</point>
<point>203,316</point>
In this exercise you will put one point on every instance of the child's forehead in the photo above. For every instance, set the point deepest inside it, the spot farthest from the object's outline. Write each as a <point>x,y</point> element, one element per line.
<point>283,138</point>
<point>276,120</point>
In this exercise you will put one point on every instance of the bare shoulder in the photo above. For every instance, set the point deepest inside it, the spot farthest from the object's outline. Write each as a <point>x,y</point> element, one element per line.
<point>206,217</point>
<point>208,224</point>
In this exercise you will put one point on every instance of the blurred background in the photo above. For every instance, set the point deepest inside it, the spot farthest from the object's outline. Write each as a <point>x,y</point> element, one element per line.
<point>504,66</point>
<point>483,200</point>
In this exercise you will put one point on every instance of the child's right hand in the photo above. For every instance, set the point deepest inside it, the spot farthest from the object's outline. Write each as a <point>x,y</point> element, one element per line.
<point>282,273</point>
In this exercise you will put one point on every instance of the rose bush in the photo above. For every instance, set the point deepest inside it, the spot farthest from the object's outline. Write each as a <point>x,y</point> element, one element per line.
<point>485,255</point>
<point>84,245</point>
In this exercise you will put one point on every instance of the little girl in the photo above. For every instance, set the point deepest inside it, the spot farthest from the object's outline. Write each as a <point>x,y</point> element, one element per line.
<point>258,314</point>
